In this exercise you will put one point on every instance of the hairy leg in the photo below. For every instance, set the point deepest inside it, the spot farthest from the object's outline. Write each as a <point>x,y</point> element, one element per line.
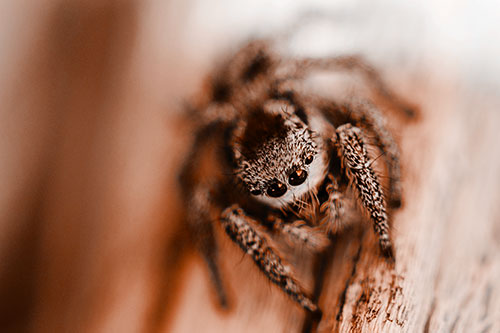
<point>246,70</point>
<point>352,151</point>
<point>298,232</point>
<point>239,228</point>
<point>368,116</point>
<point>332,208</point>
<point>197,184</point>
<point>356,63</point>
<point>199,220</point>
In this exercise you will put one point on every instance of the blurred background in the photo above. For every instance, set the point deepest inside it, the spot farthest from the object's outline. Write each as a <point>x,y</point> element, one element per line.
<point>92,137</point>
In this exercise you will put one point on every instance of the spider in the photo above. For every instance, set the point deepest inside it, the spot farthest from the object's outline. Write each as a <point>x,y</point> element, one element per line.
<point>271,159</point>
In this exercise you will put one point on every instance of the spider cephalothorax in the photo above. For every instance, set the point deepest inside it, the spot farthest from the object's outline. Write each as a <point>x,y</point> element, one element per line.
<point>278,157</point>
<point>266,147</point>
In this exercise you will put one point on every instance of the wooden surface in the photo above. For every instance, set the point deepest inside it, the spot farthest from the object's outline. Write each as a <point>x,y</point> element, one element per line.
<point>92,141</point>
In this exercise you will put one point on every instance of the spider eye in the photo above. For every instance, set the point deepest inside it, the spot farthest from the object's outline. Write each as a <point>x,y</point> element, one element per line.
<point>256,192</point>
<point>276,189</point>
<point>297,177</point>
<point>309,159</point>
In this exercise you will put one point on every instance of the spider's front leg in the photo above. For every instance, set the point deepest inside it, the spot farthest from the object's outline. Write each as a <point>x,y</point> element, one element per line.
<point>367,115</point>
<point>352,151</point>
<point>364,114</point>
<point>239,228</point>
<point>298,232</point>
<point>332,209</point>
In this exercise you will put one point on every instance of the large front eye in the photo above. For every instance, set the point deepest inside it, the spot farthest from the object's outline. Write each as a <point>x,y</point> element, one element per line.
<point>276,189</point>
<point>297,177</point>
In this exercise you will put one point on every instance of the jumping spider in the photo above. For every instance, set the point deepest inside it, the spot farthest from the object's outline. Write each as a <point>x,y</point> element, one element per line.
<point>270,158</point>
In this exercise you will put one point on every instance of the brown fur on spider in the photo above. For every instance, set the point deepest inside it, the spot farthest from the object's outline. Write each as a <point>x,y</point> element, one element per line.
<point>271,158</point>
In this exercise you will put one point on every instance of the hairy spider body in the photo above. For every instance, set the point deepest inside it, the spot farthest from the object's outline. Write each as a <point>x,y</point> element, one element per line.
<point>270,158</point>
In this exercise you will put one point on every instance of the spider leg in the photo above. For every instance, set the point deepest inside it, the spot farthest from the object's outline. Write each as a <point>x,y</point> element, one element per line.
<point>298,232</point>
<point>198,187</point>
<point>372,117</point>
<point>239,228</point>
<point>332,208</point>
<point>244,71</point>
<point>352,151</point>
<point>356,63</point>
<point>366,114</point>
<point>200,219</point>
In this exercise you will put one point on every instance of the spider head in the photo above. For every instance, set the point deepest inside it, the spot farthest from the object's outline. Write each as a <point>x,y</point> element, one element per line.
<point>278,157</point>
